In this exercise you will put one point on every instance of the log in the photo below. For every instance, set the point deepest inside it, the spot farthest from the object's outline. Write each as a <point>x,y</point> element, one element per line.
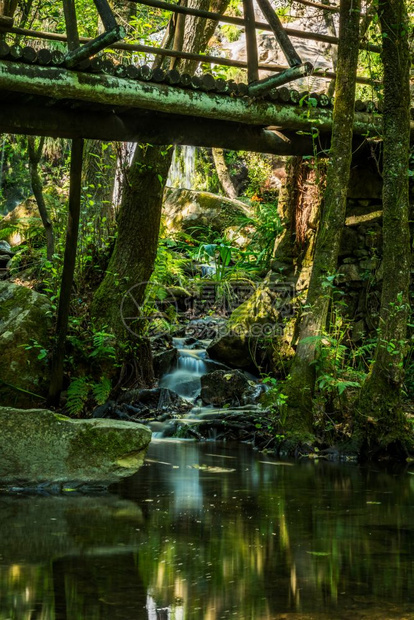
<point>93,47</point>
<point>106,15</point>
<point>251,42</point>
<point>132,72</point>
<point>185,79</point>
<point>4,49</point>
<point>261,88</point>
<point>71,24</point>
<point>158,75</point>
<point>280,33</point>
<point>29,55</point>
<point>318,5</point>
<point>59,83</point>
<point>172,77</point>
<point>145,73</point>
<point>148,127</point>
<point>44,56</point>
<point>208,83</point>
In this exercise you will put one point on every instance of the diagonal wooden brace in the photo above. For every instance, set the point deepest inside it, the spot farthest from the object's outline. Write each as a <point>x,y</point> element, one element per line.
<point>93,47</point>
<point>106,15</point>
<point>259,89</point>
<point>285,43</point>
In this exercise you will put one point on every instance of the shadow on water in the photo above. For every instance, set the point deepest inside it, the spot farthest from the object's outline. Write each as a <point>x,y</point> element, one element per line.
<point>212,531</point>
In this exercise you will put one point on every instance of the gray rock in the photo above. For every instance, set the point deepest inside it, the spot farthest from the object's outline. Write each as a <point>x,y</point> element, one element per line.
<point>350,273</point>
<point>40,448</point>
<point>25,319</point>
<point>232,350</point>
<point>185,209</point>
<point>164,361</point>
<point>223,387</point>
<point>5,248</point>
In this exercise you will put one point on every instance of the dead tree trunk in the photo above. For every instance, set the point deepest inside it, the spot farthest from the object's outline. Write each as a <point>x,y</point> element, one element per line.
<point>380,421</point>
<point>301,383</point>
<point>35,153</point>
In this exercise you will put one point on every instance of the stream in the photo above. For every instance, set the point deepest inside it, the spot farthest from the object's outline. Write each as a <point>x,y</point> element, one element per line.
<point>215,531</point>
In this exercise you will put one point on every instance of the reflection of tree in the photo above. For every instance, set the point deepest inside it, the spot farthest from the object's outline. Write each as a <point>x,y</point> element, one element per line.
<point>290,538</point>
<point>254,543</point>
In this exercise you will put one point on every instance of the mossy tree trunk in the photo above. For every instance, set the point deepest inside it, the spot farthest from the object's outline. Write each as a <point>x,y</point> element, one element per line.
<point>301,383</point>
<point>380,421</point>
<point>35,154</point>
<point>223,173</point>
<point>133,258</point>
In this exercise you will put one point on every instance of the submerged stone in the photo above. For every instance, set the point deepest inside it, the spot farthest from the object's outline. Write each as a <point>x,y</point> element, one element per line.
<point>42,449</point>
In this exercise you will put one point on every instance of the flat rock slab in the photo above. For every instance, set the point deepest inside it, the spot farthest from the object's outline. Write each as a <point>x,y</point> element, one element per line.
<point>40,449</point>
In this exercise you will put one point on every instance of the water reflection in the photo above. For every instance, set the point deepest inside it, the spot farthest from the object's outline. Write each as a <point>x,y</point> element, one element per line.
<point>212,532</point>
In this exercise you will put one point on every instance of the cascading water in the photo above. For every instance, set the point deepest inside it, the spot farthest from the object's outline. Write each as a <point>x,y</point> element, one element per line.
<point>182,169</point>
<point>185,379</point>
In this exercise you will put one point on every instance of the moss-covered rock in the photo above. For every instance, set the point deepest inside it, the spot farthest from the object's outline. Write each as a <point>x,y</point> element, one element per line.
<point>185,209</point>
<point>42,448</point>
<point>24,320</point>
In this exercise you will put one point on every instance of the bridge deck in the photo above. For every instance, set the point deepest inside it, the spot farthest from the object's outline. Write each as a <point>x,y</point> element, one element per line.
<point>57,101</point>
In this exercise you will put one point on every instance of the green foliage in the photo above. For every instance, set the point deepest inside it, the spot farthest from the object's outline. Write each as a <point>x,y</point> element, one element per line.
<point>83,391</point>
<point>78,392</point>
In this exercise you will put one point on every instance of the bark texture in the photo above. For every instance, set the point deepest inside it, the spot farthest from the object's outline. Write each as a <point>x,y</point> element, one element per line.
<point>223,173</point>
<point>35,153</point>
<point>301,383</point>
<point>379,415</point>
<point>133,258</point>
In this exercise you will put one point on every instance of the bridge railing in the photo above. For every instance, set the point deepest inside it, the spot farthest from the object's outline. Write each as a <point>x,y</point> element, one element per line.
<point>82,51</point>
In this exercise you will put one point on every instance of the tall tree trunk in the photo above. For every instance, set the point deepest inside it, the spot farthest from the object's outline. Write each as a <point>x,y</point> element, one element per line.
<point>223,173</point>
<point>133,258</point>
<point>35,153</point>
<point>379,417</point>
<point>301,383</point>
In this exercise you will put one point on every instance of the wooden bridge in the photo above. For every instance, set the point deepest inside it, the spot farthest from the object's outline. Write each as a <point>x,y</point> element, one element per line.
<point>84,93</point>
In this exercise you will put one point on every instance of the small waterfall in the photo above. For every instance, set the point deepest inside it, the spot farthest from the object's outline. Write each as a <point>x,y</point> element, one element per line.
<point>185,378</point>
<point>182,169</point>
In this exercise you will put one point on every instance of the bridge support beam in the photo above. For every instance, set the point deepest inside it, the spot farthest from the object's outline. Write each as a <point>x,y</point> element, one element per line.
<point>152,128</point>
<point>105,90</point>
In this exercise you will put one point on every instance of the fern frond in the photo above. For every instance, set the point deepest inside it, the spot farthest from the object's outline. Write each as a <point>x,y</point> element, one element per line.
<point>78,392</point>
<point>102,390</point>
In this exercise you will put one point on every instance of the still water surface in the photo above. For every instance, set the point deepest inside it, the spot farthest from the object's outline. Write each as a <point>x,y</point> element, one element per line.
<point>215,532</point>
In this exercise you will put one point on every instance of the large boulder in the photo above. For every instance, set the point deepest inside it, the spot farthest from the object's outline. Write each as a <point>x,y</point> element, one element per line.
<point>16,224</point>
<point>226,387</point>
<point>250,328</point>
<point>40,449</point>
<point>25,321</point>
<point>186,209</point>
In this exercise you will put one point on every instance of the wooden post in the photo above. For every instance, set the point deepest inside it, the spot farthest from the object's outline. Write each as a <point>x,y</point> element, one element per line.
<point>179,29</point>
<point>71,24</point>
<point>56,380</point>
<point>261,88</point>
<point>289,51</point>
<point>251,42</point>
<point>106,15</point>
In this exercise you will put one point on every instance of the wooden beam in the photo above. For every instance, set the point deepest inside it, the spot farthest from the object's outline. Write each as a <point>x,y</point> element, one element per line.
<point>153,128</point>
<point>93,47</point>
<point>251,42</point>
<point>318,5</point>
<point>106,15</point>
<point>299,34</point>
<point>69,260</point>
<point>239,21</point>
<point>280,33</point>
<point>71,24</point>
<point>259,89</point>
<point>60,83</point>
